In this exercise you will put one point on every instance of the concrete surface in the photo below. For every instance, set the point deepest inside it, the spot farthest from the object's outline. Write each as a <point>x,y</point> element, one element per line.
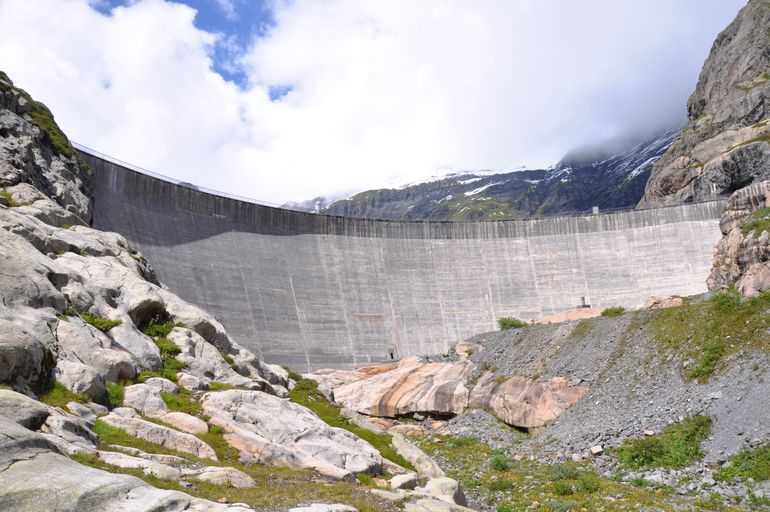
<point>315,291</point>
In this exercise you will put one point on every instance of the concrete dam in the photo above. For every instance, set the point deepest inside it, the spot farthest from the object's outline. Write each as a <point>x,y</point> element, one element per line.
<point>314,291</point>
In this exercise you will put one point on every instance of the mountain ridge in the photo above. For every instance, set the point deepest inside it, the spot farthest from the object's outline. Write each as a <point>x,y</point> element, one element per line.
<point>574,185</point>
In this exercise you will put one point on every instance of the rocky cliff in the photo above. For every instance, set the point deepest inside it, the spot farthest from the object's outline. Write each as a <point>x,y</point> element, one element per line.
<point>726,143</point>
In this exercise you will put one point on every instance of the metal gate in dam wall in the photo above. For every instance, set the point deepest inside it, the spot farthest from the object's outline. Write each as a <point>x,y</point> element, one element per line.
<point>319,291</point>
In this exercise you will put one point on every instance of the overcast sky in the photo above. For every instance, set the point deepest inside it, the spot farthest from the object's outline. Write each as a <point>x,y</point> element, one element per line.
<point>285,100</point>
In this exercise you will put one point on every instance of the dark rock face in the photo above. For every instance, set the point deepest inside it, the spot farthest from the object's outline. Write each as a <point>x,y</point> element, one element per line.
<point>574,185</point>
<point>729,109</point>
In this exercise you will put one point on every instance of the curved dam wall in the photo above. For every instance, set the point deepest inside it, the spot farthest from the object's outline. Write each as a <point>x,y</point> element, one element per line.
<point>315,291</point>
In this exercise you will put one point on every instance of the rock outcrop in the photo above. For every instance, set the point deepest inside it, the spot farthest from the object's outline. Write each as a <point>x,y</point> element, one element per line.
<point>742,257</point>
<point>269,430</point>
<point>418,386</point>
<point>726,144</point>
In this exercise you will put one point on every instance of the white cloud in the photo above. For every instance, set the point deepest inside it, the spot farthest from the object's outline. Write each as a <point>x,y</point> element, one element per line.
<point>382,92</point>
<point>228,7</point>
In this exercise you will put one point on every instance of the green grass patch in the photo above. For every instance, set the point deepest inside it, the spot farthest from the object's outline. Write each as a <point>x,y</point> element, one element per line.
<point>43,118</point>
<point>676,447</point>
<point>170,364</point>
<point>101,323</point>
<point>306,393</point>
<point>115,393</point>
<point>501,485</point>
<point>564,472</point>
<point>506,323</point>
<point>9,198</point>
<point>292,374</point>
<point>499,462</point>
<point>756,222</point>
<point>765,137</point>
<point>747,464</point>
<point>215,438</point>
<point>156,328</point>
<point>183,401</point>
<point>563,488</point>
<point>58,395</point>
<point>618,311</point>
<point>364,478</point>
<point>219,386</point>
<point>708,331</point>
<point>582,329</point>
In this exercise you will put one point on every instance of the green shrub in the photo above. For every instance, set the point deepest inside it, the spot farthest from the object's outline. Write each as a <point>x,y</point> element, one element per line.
<point>676,447</point>
<point>364,478</point>
<point>563,488</point>
<point>171,365</point>
<point>115,394</point>
<point>58,395</point>
<point>564,472</point>
<point>499,463</point>
<point>589,483</point>
<point>614,311</point>
<point>507,323</point>
<point>747,464</point>
<point>155,328</point>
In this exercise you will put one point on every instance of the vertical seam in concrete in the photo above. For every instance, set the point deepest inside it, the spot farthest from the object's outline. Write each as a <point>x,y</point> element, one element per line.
<point>582,267</point>
<point>439,296</point>
<point>534,278</point>
<point>299,321</point>
<point>397,339</point>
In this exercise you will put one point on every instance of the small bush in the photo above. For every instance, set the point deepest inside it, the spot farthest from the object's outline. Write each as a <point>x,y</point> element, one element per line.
<point>364,478</point>
<point>589,483</point>
<point>564,472</point>
<point>171,365</point>
<point>676,447</point>
<point>499,463</point>
<point>614,312</point>
<point>115,394</point>
<point>563,488</point>
<point>506,323</point>
<point>156,328</point>
<point>59,396</point>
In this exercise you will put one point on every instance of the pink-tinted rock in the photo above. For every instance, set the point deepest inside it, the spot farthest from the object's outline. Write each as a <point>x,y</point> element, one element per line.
<point>524,402</point>
<point>413,385</point>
